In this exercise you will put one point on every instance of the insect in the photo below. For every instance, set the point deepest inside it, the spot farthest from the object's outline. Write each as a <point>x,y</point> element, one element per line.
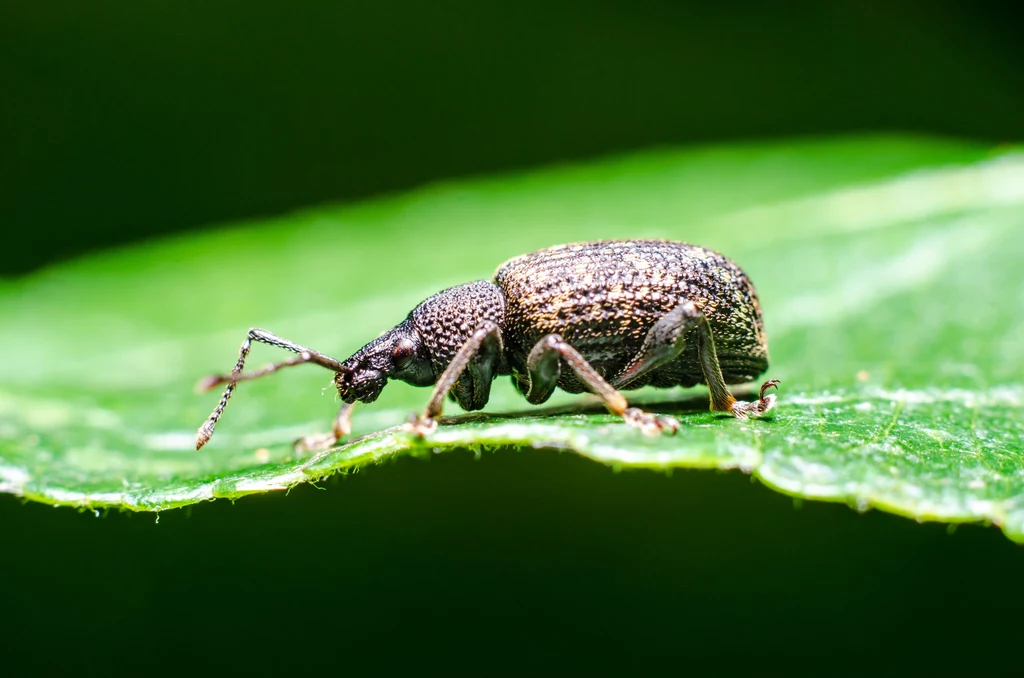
<point>605,317</point>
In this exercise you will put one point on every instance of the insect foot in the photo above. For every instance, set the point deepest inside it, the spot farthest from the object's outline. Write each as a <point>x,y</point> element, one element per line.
<point>325,441</point>
<point>650,424</point>
<point>419,425</point>
<point>763,404</point>
<point>315,443</point>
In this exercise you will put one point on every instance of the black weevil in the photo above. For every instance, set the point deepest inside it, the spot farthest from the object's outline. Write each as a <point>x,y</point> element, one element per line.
<point>603,316</point>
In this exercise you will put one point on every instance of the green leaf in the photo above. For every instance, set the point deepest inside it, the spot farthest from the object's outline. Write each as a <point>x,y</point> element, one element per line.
<point>889,271</point>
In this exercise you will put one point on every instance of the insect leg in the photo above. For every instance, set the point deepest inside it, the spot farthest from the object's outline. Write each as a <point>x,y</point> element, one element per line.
<point>306,355</point>
<point>663,343</point>
<point>544,367</point>
<point>478,356</point>
<point>319,443</point>
<point>667,339</point>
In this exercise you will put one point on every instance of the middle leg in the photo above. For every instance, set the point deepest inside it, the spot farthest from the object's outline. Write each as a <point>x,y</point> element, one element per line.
<point>544,366</point>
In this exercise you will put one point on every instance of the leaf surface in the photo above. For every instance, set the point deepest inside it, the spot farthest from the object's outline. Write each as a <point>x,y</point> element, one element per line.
<point>889,271</point>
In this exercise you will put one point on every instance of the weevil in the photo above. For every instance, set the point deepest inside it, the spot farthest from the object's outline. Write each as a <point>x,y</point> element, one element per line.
<point>605,317</point>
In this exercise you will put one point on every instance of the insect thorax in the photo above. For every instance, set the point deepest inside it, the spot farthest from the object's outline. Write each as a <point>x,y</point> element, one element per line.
<point>446,320</point>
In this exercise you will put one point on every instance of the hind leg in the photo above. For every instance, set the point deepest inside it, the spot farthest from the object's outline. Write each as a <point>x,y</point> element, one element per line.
<point>667,339</point>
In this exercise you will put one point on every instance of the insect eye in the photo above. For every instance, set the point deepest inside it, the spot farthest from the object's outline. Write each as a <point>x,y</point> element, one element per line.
<point>402,353</point>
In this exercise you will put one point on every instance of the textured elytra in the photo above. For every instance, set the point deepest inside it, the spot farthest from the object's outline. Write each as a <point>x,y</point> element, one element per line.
<point>603,298</point>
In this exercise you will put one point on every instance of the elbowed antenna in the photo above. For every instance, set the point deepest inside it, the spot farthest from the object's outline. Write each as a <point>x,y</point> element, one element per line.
<point>306,355</point>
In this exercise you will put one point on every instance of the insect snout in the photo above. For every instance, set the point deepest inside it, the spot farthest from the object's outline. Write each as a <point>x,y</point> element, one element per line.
<point>359,383</point>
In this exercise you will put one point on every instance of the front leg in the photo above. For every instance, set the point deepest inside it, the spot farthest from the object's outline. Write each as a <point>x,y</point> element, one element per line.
<point>478,360</point>
<point>544,367</point>
<point>325,441</point>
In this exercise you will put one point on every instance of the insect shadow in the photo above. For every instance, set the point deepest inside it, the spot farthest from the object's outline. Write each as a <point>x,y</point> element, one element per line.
<point>689,404</point>
<point>686,405</point>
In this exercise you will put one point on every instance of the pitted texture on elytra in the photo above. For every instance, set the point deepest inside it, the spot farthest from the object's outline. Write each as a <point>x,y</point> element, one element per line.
<point>604,297</point>
<point>445,321</point>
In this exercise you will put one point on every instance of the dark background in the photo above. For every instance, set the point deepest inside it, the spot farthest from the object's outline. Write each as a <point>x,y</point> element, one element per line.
<point>125,120</point>
<point>122,119</point>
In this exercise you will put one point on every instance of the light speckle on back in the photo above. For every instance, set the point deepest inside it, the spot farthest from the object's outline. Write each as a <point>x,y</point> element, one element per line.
<point>603,298</point>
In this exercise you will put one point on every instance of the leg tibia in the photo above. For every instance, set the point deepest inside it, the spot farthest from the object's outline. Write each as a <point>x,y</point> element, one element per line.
<point>480,355</point>
<point>544,367</point>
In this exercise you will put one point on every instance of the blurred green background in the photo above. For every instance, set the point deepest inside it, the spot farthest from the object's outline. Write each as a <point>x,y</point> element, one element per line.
<point>122,121</point>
